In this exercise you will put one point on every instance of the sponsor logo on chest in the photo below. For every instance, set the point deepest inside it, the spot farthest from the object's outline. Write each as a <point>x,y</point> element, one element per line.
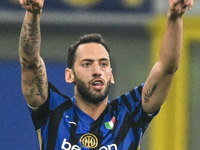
<point>88,141</point>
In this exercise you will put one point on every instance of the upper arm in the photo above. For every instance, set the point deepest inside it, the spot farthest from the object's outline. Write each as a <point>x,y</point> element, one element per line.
<point>34,82</point>
<point>156,88</point>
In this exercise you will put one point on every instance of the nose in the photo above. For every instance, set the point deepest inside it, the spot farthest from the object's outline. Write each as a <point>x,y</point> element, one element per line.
<point>96,70</point>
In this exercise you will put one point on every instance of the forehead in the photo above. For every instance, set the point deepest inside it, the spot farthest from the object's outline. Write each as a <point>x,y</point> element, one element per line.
<point>91,51</point>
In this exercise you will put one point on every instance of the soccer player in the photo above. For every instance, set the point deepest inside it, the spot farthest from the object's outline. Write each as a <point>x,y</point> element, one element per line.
<point>89,120</point>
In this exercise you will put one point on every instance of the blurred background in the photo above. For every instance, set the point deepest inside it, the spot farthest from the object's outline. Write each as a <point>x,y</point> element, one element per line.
<point>134,31</point>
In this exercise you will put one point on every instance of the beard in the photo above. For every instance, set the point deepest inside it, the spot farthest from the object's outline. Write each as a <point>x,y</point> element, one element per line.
<point>88,95</point>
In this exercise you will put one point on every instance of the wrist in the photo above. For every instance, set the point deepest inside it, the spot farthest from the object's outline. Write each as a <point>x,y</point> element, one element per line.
<point>173,16</point>
<point>32,15</point>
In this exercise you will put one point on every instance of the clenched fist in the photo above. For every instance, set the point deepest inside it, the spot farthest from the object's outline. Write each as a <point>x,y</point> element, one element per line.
<point>32,5</point>
<point>178,7</point>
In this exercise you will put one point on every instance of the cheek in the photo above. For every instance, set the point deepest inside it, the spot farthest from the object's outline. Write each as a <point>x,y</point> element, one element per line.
<point>81,72</point>
<point>82,76</point>
<point>108,75</point>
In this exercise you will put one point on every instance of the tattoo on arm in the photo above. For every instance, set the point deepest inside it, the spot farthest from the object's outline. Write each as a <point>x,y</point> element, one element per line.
<point>30,38</point>
<point>36,86</point>
<point>39,83</point>
<point>149,93</point>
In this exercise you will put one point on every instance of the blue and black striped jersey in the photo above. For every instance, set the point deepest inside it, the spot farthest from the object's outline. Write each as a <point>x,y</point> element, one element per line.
<point>65,127</point>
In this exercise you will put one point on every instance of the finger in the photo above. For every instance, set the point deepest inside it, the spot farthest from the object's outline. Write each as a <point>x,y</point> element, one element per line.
<point>27,7</point>
<point>173,4</point>
<point>185,5</point>
<point>41,3</point>
<point>38,3</point>
<point>176,2</point>
<point>190,5</point>
<point>27,2</point>
<point>21,2</point>
<point>35,7</point>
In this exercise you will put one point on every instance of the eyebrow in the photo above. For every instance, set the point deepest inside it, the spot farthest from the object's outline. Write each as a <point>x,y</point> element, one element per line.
<point>91,60</point>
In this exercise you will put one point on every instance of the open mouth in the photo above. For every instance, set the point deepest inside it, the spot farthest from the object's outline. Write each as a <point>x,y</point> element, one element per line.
<point>98,84</point>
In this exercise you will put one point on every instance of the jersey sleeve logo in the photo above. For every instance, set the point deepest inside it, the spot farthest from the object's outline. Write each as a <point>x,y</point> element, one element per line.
<point>89,140</point>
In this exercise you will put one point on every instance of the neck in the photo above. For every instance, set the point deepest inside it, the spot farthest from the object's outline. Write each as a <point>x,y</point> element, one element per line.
<point>93,110</point>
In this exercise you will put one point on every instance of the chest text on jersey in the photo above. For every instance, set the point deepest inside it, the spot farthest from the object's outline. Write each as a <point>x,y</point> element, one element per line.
<point>68,146</point>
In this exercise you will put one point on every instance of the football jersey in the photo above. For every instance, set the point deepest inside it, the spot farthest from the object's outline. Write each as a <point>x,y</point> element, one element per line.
<point>64,126</point>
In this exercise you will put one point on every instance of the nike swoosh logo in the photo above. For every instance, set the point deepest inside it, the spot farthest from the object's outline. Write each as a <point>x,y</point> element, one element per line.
<point>74,123</point>
<point>71,122</point>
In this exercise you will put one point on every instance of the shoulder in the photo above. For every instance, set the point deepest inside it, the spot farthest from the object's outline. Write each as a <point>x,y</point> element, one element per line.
<point>130,98</point>
<point>56,98</point>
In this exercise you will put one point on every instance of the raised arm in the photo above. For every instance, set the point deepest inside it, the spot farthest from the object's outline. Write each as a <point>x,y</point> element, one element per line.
<point>159,80</point>
<point>34,78</point>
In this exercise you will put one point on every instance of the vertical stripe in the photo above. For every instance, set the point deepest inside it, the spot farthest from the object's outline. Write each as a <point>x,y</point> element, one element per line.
<point>96,127</point>
<point>54,122</point>
<point>169,129</point>
<point>39,138</point>
<point>73,137</point>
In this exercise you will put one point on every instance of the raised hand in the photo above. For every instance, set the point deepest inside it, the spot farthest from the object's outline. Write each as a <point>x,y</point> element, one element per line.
<point>32,5</point>
<point>178,7</point>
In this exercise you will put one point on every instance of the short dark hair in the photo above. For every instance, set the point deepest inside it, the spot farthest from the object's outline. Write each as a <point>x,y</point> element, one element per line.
<point>96,38</point>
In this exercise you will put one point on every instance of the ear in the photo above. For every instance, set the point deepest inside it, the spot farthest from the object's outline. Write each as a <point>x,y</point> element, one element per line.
<point>69,75</point>
<point>112,78</point>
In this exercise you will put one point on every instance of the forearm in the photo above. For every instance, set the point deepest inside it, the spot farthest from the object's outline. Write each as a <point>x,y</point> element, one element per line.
<point>172,44</point>
<point>30,39</point>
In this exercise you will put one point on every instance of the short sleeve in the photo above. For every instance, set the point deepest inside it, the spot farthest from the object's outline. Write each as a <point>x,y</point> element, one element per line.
<point>41,115</point>
<point>133,102</point>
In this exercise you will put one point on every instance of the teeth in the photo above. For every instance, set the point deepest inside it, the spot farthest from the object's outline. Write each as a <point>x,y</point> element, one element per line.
<point>97,82</point>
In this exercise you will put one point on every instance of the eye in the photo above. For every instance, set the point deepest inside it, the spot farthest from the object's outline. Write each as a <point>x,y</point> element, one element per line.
<point>104,64</point>
<point>86,64</point>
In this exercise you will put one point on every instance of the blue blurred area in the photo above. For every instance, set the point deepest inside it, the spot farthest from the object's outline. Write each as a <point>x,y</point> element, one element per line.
<point>16,129</point>
<point>140,6</point>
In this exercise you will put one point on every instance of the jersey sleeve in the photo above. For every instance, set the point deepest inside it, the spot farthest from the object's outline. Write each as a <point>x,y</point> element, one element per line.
<point>133,103</point>
<point>41,115</point>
